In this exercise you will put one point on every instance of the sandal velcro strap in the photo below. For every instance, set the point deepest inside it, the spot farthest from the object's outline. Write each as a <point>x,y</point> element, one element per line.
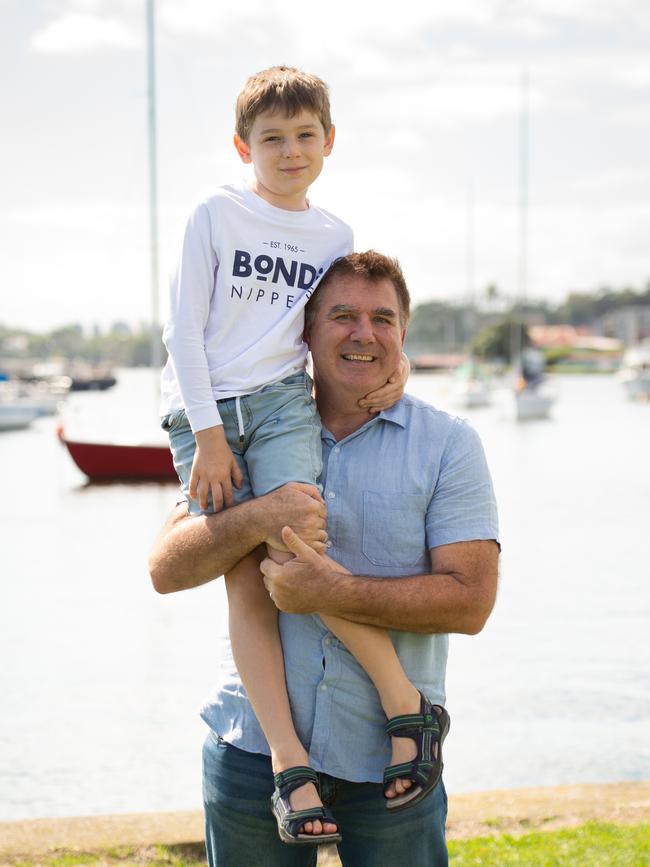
<point>292,778</point>
<point>294,820</point>
<point>428,730</point>
<point>419,772</point>
<point>418,722</point>
<point>291,821</point>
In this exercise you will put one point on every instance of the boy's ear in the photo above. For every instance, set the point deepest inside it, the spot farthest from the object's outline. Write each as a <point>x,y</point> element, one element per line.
<point>242,149</point>
<point>329,141</point>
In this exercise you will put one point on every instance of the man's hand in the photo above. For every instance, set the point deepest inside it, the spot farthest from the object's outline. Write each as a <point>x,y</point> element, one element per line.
<point>390,392</point>
<point>300,506</point>
<point>297,585</point>
<point>214,469</point>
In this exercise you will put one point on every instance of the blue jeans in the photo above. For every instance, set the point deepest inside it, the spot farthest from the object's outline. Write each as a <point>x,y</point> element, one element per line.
<point>240,830</point>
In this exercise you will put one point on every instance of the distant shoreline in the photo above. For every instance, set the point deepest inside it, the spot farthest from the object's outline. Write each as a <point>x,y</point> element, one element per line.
<point>513,811</point>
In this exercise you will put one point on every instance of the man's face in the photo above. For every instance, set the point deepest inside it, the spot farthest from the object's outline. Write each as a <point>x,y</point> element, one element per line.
<point>287,155</point>
<point>356,337</point>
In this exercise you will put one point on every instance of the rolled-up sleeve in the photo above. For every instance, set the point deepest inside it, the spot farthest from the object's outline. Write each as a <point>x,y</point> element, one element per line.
<point>463,506</point>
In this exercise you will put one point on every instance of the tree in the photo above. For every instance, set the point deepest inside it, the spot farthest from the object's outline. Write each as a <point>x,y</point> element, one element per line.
<point>495,341</point>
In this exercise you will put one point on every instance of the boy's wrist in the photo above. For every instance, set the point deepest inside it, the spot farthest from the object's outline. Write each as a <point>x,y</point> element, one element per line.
<point>208,435</point>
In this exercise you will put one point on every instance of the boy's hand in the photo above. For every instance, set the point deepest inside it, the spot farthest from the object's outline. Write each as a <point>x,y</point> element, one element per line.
<point>214,469</point>
<point>303,508</point>
<point>389,393</point>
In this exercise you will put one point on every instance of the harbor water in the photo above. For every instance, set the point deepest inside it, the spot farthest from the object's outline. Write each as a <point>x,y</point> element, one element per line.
<point>101,679</point>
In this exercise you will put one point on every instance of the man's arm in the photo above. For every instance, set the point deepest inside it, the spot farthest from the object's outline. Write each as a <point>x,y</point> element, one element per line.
<point>457,596</point>
<point>192,550</point>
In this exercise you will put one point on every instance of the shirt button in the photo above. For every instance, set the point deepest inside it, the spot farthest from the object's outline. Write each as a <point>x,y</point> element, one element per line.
<point>328,641</point>
<point>323,687</point>
<point>328,544</point>
<point>331,495</point>
<point>337,450</point>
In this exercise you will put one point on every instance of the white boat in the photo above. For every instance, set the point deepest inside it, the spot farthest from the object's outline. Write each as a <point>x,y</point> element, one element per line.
<point>14,416</point>
<point>42,397</point>
<point>529,396</point>
<point>470,386</point>
<point>525,404</point>
<point>635,371</point>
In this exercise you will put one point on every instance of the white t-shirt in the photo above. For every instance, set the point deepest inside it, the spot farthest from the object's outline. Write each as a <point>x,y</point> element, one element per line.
<point>245,273</point>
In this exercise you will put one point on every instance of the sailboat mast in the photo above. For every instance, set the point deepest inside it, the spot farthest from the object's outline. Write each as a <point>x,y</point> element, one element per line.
<point>523,192</point>
<point>470,246</point>
<point>153,186</point>
<point>471,318</point>
<point>522,259</point>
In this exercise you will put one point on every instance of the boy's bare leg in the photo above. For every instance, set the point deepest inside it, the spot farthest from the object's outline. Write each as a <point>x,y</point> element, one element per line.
<point>257,650</point>
<point>376,654</point>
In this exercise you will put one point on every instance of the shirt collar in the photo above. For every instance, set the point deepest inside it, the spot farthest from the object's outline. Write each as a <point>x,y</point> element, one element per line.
<point>395,414</point>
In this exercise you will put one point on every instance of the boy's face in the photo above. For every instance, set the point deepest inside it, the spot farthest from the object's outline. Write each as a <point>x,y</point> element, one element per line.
<point>287,155</point>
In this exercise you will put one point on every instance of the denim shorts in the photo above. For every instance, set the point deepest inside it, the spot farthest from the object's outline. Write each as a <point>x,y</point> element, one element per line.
<point>281,438</point>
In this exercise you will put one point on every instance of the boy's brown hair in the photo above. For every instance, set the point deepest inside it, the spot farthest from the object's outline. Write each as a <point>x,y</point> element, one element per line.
<point>281,89</point>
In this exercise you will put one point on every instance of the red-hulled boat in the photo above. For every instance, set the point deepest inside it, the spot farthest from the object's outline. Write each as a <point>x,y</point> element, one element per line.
<point>120,461</point>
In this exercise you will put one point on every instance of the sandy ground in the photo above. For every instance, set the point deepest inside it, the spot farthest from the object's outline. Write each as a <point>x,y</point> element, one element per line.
<point>470,815</point>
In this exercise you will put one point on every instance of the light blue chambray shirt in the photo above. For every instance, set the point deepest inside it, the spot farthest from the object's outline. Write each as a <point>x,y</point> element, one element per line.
<point>412,478</point>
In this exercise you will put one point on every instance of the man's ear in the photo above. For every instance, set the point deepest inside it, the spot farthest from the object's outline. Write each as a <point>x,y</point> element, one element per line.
<point>329,141</point>
<point>242,149</point>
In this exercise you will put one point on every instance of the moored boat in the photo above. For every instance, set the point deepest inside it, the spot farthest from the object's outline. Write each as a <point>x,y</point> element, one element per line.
<point>14,416</point>
<point>635,371</point>
<point>115,461</point>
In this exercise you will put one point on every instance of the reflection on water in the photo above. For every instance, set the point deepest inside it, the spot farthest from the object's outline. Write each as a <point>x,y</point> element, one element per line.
<point>101,678</point>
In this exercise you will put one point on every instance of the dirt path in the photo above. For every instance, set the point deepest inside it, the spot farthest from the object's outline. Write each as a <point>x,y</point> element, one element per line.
<point>470,815</point>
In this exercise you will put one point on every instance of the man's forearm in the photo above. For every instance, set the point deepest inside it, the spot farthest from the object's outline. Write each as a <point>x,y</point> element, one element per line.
<point>192,550</point>
<point>421,603</point>
<point>457,596</point>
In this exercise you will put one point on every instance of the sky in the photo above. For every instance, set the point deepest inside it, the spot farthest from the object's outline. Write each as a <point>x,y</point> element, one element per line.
<point>426,99</point>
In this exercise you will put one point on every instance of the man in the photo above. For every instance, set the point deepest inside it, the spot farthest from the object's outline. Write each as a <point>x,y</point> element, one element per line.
<point>411,515</point>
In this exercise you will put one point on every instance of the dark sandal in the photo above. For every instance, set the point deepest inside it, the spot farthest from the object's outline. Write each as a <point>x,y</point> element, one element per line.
<point>427,728</point>
<point>291,821</point>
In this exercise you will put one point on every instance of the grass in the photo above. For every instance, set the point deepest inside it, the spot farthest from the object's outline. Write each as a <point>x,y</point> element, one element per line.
<point>595,844</point>
<point>189,855</point>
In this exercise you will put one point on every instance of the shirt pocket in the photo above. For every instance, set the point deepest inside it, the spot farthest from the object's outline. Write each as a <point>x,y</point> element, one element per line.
<point>394,528</point>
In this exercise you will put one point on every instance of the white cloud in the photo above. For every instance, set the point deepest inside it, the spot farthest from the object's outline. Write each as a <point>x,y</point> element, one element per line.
<point>79,32</point>
<point>614,180</point>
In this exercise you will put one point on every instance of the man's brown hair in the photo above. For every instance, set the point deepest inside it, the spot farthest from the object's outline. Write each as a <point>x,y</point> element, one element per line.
<point>372,266</point>
<point>281,89</point>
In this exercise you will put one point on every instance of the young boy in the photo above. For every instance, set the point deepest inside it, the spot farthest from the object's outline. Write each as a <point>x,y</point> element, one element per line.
<point>237,405</point>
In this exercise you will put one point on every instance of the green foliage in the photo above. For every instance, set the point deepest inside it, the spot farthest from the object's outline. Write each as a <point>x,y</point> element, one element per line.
<point>557,354</point>
<point>495,341</point>
<point>437,326</point>
<point>117,347</point>
<point>592,845</point>
<point>72,859</point>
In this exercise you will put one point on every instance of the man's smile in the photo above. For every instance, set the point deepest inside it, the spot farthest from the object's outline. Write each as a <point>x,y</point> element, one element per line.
<point>355,356</point>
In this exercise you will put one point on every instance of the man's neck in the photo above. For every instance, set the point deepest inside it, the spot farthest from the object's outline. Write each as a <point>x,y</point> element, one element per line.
<point>341,416</point>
